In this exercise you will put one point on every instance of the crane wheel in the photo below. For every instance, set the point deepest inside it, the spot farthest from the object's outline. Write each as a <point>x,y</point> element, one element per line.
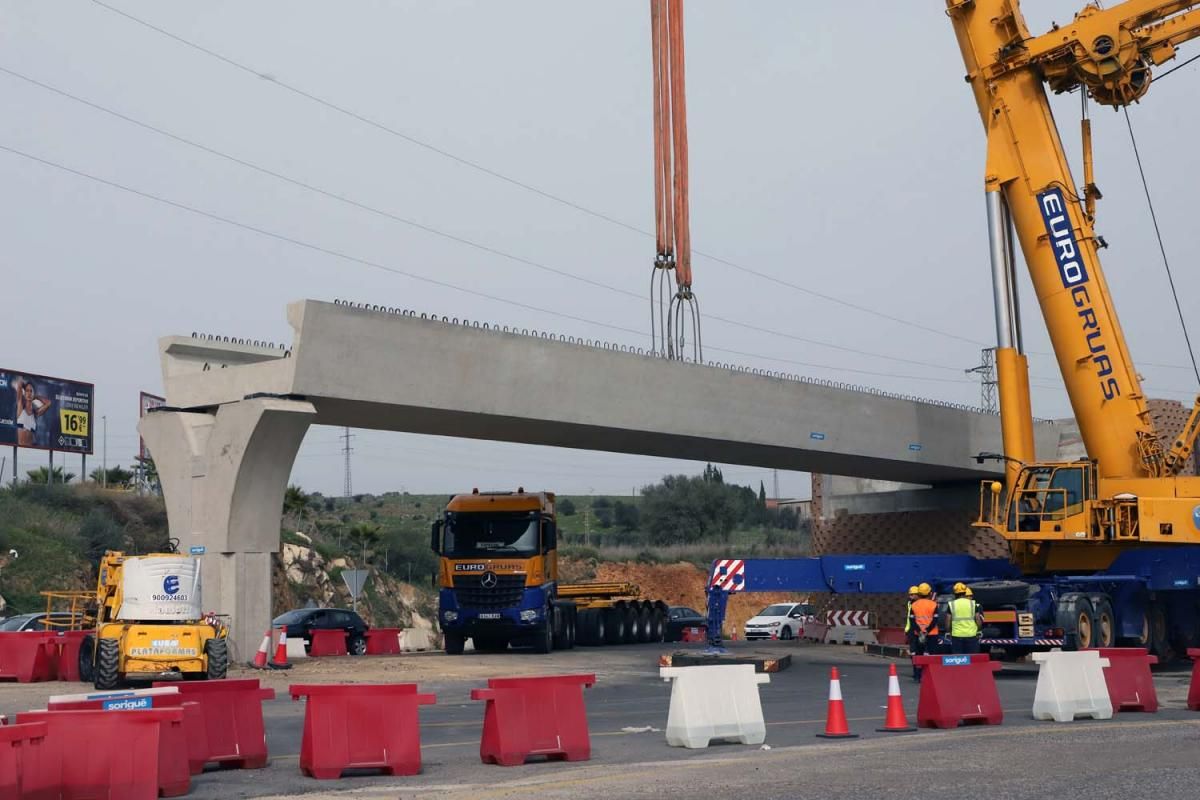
<point>216,653</point>
<point>1106,623</point>
<point>87,659</point>
<point>108,664</point>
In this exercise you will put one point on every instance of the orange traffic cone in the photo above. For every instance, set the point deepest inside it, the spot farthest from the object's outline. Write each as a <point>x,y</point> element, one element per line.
<point>279,661</point>
<point>895,722</point>
<point>836,726</point>
<point>260,658</point>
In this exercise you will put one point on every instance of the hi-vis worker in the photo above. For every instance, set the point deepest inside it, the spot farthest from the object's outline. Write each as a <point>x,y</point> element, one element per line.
<point>964,619</point>
<point>924,615</point>
<point>910,627</point>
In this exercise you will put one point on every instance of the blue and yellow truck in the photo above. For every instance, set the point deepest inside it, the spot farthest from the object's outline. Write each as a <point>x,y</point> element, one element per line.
<point>498,582</point>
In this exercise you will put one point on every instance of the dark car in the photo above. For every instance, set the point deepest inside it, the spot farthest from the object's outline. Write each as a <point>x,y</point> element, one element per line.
<point>680,617</point>
<point>301,622</point>
<point>54,621</point>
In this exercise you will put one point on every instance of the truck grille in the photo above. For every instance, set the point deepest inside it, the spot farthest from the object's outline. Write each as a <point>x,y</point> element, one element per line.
<point>470,592</point>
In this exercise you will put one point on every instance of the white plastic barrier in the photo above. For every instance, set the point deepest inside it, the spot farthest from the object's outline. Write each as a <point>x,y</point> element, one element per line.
<point>714,703</point>
<point>849,634</point>
<point>1071,685</point>
<point>416,640</point>
<point>295,648</point>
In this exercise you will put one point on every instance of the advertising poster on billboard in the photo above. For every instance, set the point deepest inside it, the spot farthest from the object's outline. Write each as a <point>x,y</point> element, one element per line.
<point>146,402</point>
<point>45,413</point>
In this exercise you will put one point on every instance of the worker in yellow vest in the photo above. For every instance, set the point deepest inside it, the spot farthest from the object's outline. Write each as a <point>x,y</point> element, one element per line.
<point>964,618</point>
<point>910,628</point>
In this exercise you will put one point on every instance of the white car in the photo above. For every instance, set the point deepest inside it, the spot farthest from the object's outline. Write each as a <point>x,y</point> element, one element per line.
<point>780,621</point>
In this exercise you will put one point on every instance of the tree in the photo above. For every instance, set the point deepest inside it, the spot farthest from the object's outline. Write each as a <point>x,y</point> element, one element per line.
<point>712,474</point>
<point>366,535</point>
<point>683,509</point>
<point>43,475</point>
<point>116,476</point>
<point>295,505</point>
<point>626,516</point>
<point>762,494</point>
<point>565,507</point>
<point>603,509</point>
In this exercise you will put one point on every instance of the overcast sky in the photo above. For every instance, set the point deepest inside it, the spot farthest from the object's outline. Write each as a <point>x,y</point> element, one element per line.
<point>834,146</point>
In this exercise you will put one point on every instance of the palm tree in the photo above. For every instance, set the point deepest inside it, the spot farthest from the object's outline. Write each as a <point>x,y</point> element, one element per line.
<point>44,476</point>
<point>117,476</point>
<point>365,534</point>
<point>295,504</point>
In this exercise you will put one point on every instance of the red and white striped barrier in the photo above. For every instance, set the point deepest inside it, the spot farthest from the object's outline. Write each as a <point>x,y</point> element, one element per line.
<point>728,574</point>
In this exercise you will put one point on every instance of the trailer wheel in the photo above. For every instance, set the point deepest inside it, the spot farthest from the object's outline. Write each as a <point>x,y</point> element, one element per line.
<point>614,621</point>
<point>108,664</point>
<point>571,632</point>
<point>1106,623</point>
<point>454,643</point>
<point>633,625</point>
<point>659,621</point>
<point>216,653</point>
<point>645,625</point>
<point>591,628</point>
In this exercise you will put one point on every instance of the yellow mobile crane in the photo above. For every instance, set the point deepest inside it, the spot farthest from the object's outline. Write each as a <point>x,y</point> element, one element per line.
<point>1127,497</point>
<point>1104,550</point>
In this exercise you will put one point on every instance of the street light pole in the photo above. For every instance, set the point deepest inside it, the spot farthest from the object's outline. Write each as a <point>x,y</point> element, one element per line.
<point>104,466</point>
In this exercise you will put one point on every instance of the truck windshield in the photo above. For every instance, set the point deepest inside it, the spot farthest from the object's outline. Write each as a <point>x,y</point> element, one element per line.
<point>472,535</point>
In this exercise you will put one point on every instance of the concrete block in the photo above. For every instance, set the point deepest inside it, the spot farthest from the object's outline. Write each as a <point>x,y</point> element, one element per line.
<point>1071,685</point>
<point>295,648</point>
<point>714,703</point>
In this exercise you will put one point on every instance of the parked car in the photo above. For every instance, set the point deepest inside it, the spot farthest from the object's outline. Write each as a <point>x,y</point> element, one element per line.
<point>782,620</point>
<point>41,621</point>
<point>301,622</point>
<point>680,617</point>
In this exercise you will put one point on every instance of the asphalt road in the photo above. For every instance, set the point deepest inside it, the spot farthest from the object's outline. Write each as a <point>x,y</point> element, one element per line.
<point>1134,754</point>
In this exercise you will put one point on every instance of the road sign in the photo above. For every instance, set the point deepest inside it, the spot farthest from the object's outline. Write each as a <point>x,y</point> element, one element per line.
<point>354,579</point>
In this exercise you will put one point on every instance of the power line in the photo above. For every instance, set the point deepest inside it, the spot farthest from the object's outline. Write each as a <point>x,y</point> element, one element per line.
<point>436,231</point>
<point>519,183</point>
<point>1161,247</point>
<point>444,284</point>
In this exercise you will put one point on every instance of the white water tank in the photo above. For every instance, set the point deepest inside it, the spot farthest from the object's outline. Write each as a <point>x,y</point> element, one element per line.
<point>163,588</point>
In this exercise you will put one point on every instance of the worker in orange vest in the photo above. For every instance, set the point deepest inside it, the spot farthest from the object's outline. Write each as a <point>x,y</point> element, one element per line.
<point>924,611</point>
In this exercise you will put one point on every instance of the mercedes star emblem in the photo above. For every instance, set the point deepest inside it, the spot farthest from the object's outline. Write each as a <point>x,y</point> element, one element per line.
<point>489,580</point>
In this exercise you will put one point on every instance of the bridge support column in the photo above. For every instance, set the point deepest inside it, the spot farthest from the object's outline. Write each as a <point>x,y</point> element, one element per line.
<point>223,476</point>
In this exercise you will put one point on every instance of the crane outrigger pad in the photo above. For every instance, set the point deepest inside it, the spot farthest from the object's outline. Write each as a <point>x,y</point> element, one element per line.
<point>762,662</point>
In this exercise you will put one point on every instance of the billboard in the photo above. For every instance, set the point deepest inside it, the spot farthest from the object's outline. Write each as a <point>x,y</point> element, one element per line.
<point>45,413</point>
<point>147,401</point>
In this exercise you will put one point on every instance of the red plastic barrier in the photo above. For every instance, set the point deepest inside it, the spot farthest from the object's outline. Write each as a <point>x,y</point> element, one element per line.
<point>91,755</point>
<point>68,644</point>
<point>534,716</point>
<point>20,766</point>
<point>958,689</point>
<point>383,641</point>
<point>328,643</point>
<point>1130,685</point>
<point>360,726</point>
<point>1193,699</point>
<point>28,656</point>
<point>233,720</point>
<point>193,733</point>
<point>694,633</point>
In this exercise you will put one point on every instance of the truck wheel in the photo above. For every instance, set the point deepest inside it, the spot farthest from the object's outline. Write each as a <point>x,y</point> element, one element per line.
<point>216,653</point>
<point>614,620</point>
<point>87,659</point>
<point>558,620</point>
<point>108,664</point>
<point>571,617</point>
<point>645,625</point>
<point>1106,623</point>
<point>633,625</point>
<point>454,643</point>
<point>543,640</point>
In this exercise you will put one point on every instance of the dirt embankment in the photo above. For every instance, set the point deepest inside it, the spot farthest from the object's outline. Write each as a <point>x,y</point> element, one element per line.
<point>683,584</point>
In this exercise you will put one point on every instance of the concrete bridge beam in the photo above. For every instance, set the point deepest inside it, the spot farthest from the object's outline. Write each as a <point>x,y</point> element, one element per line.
<point>223,475</point>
